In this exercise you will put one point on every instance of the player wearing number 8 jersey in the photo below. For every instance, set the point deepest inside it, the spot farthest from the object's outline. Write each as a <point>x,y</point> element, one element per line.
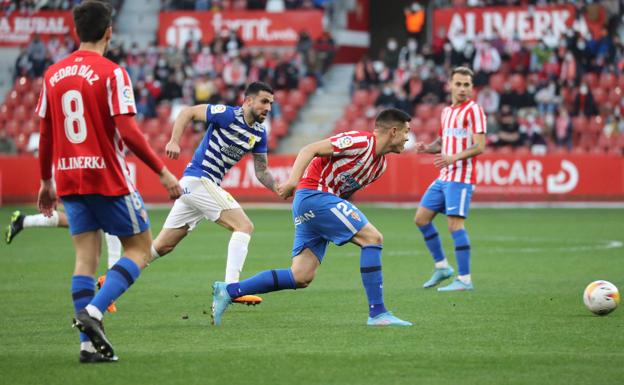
<point>86,108</point>
<point>461,139</point>
<point>334,169</point>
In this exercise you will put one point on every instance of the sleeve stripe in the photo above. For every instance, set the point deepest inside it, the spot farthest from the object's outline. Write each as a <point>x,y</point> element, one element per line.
<point>43,102</point>
<point>110,97</point>
<point>123,107</point>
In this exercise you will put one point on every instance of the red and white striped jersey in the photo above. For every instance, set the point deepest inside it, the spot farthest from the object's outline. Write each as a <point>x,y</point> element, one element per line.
<point>353,165</point>
<point>458,124</point>
<point>80,96</point>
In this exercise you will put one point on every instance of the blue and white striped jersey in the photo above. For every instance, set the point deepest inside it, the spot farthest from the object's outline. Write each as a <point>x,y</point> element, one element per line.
<point>227,139</point>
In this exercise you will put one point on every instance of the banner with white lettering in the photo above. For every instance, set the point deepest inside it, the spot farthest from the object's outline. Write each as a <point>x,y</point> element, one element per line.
<point>504,178</point>
<point>18,28</point>
<point>525,23</point>
<point>253,27</point>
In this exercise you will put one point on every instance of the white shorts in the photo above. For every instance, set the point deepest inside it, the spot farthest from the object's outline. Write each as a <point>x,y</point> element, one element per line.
<point>201,198</point>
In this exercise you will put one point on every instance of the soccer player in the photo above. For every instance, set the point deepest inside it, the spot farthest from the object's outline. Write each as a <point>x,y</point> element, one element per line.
<point>334,169</point>
<point>461,139</point>
<point>86,108</point>
<point>20,221</point>
<point>232,133</point>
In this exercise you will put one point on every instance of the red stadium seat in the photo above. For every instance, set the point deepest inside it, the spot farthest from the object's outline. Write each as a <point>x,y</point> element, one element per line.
<point>4,113</point>
<point>273,143</point>
<point>279,127</point>
<point>615,96</point>
<point>360,124</point>
<point>341,125</point>
<point>21,113</point>
<point>163,111</point>
<point>13,99</point>
<point>497,82</point>
<point>568,94</point>
<point>600,95</point>
<point>22,85</point>
<point>579,124</point>
<point>289,113</point>
<point>151,127</point>
<point>21,141</point>
<point>29,99</point>
<point>372,96</point>
<point>591,79</point>
<point>297,98</point>
<point>432,126</point>
<point>437,110</point>
<point>12,128</point>
<point>307,85</point>
<point>36,85</point>
<point>361,98</point>
<point>596,125</point>
<point>607,80</point>
<point>30,126</point>
<point>416,125</point>
<point>281,96</point>
<point>423,111</point>
<point>352,112</point>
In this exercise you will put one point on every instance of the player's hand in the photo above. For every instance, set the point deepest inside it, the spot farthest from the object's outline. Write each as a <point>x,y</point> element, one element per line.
<point>47,199</point>
<point>170,183</point>
<point>286,189</point>
<point>420,147</point>
<point>173,150</point>
<point>441,161</point>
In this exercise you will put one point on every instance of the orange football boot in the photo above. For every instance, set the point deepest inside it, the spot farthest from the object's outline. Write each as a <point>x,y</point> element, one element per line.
<point>112,308</point>
<point>249,300</point>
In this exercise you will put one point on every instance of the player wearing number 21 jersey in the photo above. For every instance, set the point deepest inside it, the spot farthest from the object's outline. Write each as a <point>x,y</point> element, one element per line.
<point>86,108</point>
<point>324,175</point>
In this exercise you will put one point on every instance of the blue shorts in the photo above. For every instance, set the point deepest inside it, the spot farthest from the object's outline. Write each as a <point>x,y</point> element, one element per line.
<point>321,217</point>
<point>450,198</point>
<point>122,216</point>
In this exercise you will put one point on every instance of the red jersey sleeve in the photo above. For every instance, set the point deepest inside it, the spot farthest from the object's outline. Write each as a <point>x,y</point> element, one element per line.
<point>120,93</point>
<point>42,103</point>
<point>478,120</point>
<point>349,143</point>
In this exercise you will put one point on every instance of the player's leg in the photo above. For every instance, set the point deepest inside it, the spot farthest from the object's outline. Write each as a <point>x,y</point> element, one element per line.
<point>370,241</point>
<point>458,203</point>
<point>431,203</point>
<point>113,247</point>
<point>241,227</point>
<point>20,221</point>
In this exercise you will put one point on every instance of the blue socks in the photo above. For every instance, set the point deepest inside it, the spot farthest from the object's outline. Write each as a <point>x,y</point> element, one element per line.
<point>372,279</point>
<point>462,251</point>
<point>83,290</point>
<point>432,240</point>
<point>118,279</point>
<point>264,282</point>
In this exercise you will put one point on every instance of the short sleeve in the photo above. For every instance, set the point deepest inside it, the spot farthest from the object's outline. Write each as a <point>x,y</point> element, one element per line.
<point>479,122</point>
<point>261,147</point>
<point>351,143</point>
<point>217,113</point>
<point>120,93</point>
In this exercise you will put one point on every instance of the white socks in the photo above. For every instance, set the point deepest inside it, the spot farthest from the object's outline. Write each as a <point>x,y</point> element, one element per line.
<point>40,220</point>
<point>94,312</point>
<point>237,252</point>
<point>155,254</point>
<point>443,264</point>
<point>113,244</point>
<point>465,279</point>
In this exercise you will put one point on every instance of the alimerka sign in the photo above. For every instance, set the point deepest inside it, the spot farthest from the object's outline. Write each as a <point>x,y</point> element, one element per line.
<point>253,27</point>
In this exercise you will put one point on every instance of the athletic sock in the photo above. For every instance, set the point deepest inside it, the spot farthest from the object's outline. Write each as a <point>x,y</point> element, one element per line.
<point>237,252</point>
<point>40,220</point>
<point>432,240</point>
<point>264,282</point>
<point>113,246</point>
<point>462,251</point>
<point>372,278</point>
<point>83,290</point>
<point>155,254</point>
<point>118,279</point>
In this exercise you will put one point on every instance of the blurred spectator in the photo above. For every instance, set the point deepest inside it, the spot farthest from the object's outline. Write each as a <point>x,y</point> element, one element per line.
<point>23,64</point>
<point>235,73</point>
<point>489,99</point>
<point>508,133</point>
<point>37,55</point>
<point>387,98</point>
<point>584,102</point>
<point>325,49</point>
<point>487,60</point>
<point>7,145</point>
<point>569,70</point>
<point>533,131</point>
<point>547,99</point>
<point>364,75</point>
<point>391,54</point>
<point>563,129</point>
<point>415,21</point>
<point>145,105</point>
<point>409,55</point>
<point>204,63</point>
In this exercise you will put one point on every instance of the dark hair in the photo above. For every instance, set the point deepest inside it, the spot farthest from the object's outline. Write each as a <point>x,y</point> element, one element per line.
<point>255,88</point>
<point>91,19</point>
<point>462,71</point>
<point>391,116</point>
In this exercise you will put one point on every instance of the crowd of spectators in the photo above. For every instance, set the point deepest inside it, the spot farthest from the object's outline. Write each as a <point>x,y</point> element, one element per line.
<point>29,6</point>
<point>532,92</point>
<point>225,5</point>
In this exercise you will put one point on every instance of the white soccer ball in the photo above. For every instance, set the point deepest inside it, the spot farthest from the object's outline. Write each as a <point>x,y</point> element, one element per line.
<point>601,297</point>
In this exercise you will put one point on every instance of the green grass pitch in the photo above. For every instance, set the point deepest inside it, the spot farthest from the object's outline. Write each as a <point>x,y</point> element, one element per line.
<point>525,323</point>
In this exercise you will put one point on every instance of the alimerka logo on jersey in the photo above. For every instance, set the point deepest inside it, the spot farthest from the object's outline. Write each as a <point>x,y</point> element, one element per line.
<point>81,162</point>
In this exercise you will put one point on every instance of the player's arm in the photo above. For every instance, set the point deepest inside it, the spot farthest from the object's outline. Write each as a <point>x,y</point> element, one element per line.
<point>187,115</point>
<point>46,200</point>
<point>306,154</point>
<point>136,142</point>
<point>262,171</point>
<point>477,148</point>
<point>432,148</point>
